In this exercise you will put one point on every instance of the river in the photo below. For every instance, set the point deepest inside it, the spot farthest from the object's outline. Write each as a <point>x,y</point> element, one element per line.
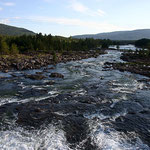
<point>103,109</point>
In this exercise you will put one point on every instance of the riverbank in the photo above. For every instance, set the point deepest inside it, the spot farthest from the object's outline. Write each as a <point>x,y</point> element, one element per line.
<point>36,61</point>
<point>135,63</point>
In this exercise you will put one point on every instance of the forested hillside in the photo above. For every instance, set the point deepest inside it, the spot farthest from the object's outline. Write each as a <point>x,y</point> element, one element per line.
<point>14,31</point>
<point>47,43</point>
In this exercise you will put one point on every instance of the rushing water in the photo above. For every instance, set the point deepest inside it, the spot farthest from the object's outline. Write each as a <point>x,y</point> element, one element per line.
<point>123,91</point>
<point>125,47</point>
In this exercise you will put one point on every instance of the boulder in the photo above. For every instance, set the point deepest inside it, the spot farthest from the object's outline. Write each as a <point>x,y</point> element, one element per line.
<point>39,73</point>
<point>35,77</point>
<point>56,75</point>
<point>6,71</point>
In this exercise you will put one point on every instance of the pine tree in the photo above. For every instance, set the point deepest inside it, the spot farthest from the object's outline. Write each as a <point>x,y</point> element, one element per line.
<point>14,49</point>
<point>4,48</point>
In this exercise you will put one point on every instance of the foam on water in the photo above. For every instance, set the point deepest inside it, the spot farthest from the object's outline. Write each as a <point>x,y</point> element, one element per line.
<point>126,86</point>
<point>79,92</point>
<point>50,138</point>
<point>6,100</point>
<point>101,116</point>
<point>108,139</point>
<point>53,93</point>
<point>123,97</point>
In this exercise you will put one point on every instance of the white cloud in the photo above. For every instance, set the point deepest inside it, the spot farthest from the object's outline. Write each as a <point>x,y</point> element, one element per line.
<point>81,8</point>
<point>99,26</point>
<point>1,8</point>
<point>9,4</point>
<point>5,21</point>
<point>77,6</point>
<point>100,12</point>
<point>9,20</point>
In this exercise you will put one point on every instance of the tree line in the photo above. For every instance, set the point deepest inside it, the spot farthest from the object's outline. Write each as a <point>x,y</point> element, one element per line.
<point>47,43</point>
<point>143,43</point>
<point>144,53</point>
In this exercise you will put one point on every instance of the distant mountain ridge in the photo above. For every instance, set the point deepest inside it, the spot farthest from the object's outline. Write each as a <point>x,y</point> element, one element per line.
<point>14,31</point>
<point>119,35</point>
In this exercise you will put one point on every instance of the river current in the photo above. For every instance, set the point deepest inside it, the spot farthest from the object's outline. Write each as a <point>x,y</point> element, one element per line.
<point>122,98</point>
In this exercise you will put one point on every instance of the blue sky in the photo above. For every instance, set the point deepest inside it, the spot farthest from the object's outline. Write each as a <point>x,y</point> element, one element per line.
<point>73,17</point>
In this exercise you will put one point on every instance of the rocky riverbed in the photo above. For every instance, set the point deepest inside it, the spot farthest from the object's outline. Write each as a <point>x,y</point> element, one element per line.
<point>134,63</point>
<point>78,105</point>
<point>36,61</point>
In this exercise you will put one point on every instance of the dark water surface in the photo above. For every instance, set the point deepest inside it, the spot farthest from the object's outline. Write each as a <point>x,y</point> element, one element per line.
<point>119,107</point>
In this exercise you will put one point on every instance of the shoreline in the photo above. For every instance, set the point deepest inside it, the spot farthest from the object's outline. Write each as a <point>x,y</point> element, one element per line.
<point>134,64</point>
<point>36,61</point>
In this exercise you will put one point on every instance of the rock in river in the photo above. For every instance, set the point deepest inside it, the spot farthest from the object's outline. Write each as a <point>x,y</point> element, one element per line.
<point>56,75</point>
<point>35,77</point>
<point>50,82</point>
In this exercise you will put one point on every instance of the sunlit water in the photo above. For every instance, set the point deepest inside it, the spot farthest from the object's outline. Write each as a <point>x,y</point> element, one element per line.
<point>125,47</point>
<point>80,76</point>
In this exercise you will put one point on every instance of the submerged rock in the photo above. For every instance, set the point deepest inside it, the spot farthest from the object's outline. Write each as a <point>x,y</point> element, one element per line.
<point>1,77</point>
<point>56,75</point>
<point>35,77</point>
<point>33,92</point>
<point>50,82</point>
<point>6,71</point>
<point>39,73</point>
<point>51,68</point>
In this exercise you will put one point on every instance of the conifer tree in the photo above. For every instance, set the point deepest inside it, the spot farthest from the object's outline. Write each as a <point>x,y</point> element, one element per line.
<point>14,49</point>
<point>4,48</point>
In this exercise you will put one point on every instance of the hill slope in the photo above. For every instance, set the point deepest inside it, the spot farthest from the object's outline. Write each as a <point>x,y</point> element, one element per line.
<point>13,31</point>
<point>119,35</point>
